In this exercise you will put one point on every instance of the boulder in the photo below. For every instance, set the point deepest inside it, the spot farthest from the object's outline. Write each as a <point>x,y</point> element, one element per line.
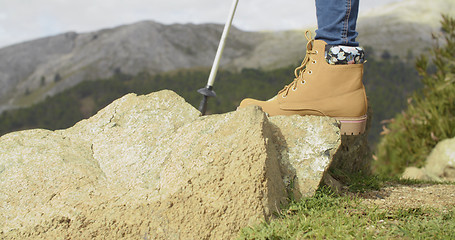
<point>439,165</point>
<point>150,167</point>
<point>415,173</point>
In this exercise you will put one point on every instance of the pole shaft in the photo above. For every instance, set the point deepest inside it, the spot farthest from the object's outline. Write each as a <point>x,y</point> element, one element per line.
<point>220,49</point>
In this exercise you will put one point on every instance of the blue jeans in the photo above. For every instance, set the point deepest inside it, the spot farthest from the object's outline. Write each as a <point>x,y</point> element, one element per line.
<point>337,21</point>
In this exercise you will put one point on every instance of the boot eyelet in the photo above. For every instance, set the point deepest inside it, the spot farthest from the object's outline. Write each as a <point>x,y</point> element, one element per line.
<point>284,96</point>
<point>310,72</point>
<point>314,61</point>
<point>316,51</point>
<point>294,89</point>
<point>303,81</point>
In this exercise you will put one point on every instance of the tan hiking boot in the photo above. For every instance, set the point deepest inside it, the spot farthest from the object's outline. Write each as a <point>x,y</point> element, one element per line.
<point>322,89</point>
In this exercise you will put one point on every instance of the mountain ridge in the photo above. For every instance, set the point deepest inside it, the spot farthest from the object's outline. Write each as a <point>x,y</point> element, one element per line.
<point>32,70</point>
<point>53,64</point>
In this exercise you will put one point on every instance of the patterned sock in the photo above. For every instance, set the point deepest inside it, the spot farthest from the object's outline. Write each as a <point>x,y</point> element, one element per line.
<point>344,54</point>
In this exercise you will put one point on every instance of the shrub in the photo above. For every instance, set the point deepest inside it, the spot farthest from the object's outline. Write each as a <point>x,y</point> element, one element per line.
<point>430,116</point>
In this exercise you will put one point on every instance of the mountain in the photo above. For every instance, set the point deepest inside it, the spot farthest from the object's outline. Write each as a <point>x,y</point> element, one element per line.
<point>32,70</point>
<point>403,27</point>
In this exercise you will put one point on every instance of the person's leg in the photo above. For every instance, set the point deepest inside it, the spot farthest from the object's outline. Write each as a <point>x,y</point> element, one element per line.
<point>337,21</point>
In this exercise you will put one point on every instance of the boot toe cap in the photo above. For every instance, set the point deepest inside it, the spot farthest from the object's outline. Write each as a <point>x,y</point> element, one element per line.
<point>249,102</point>
<point>269,107</point>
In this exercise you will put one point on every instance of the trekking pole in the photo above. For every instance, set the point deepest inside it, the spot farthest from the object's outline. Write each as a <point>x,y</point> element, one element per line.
<point>207,91</point>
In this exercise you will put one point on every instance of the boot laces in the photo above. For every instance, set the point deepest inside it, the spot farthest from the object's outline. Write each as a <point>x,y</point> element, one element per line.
<point>299,71</point>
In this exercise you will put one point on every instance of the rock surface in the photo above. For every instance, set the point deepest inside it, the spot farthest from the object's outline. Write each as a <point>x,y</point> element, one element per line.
<point>439,166</point>
<point>150,167</point>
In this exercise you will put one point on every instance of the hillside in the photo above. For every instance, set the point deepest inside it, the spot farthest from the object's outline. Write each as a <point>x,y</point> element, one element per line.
<point>403,28</point>
<point>47,66</point>
<point>32,70</point>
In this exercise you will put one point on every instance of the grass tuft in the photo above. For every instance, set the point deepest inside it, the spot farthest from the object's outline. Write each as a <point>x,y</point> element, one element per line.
<point>328,216</point>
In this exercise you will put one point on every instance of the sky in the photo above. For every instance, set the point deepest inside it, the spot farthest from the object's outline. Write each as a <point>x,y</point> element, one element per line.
<point>22,20</point>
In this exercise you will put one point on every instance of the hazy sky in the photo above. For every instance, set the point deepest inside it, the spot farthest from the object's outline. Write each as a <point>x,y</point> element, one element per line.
<point>22,20</point>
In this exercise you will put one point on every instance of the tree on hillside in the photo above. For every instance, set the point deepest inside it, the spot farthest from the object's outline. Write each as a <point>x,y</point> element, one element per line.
<point>57,77</point>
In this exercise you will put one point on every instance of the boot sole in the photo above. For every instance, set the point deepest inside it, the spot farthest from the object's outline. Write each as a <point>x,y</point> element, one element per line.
<point>352,125</point>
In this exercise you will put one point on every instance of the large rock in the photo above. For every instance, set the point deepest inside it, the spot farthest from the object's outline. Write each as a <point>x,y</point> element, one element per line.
<point>439,166</point>
<point>150,167</point>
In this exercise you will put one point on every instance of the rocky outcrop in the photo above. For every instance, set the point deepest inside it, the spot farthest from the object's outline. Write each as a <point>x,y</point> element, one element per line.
<point>439,165</point>
<point>150,167</point>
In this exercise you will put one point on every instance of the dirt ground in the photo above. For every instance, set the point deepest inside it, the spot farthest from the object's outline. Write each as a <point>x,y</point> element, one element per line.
<point>413,196</point>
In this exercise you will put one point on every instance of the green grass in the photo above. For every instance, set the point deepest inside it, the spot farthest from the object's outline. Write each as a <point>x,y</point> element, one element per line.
<point>328,216</point>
